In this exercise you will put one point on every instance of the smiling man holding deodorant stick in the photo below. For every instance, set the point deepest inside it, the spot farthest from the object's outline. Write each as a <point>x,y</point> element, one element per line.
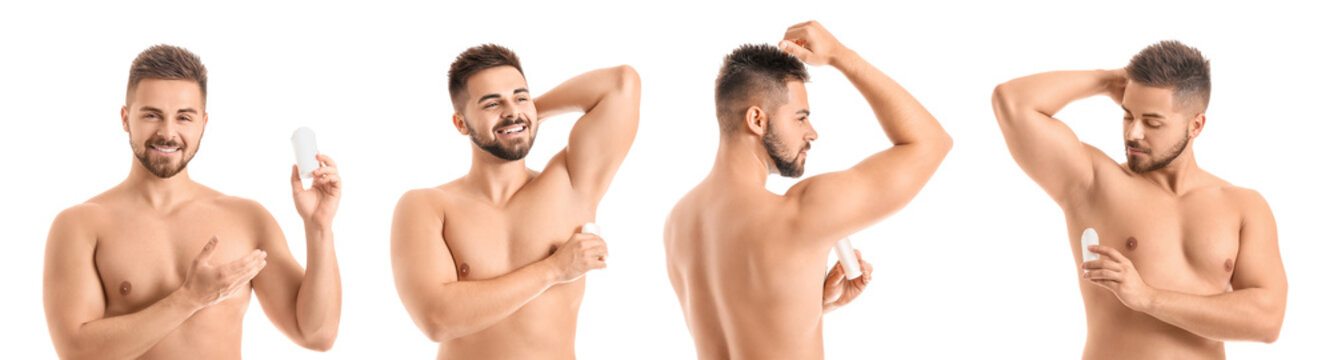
<point>748,265</point>
<point>161,267</point>
<point>491,265</point>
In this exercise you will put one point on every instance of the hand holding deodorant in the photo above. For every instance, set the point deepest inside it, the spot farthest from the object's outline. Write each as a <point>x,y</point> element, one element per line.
<point>1089,238</point>
<point>303,142</point>
<point>847,258</point>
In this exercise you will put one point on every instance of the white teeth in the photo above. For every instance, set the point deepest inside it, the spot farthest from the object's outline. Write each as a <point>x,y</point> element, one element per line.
<point>512,130</point>
<point>165,150</point>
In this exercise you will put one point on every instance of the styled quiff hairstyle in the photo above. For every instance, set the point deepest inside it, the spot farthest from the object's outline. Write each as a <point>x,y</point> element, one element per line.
<point>753,73</point>
<point>167,62</point>
<point>1171,64</point>
<point>474,60</point>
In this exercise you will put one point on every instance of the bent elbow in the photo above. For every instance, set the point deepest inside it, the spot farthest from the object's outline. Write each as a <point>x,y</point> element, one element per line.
<point>319,343</point>
<point>1002,101</point>
<point>626,80</point>
<point>1270,332</point>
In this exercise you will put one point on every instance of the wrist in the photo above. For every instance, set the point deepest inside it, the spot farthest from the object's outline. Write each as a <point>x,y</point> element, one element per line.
<point>318,230</point>
<point>842,58</point>
<point>181,299</point>
<point>1148,303</point>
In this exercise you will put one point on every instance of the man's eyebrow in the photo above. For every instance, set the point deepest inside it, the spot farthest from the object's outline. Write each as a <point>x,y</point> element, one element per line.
<point>805,112</point>
<point>488,97</point>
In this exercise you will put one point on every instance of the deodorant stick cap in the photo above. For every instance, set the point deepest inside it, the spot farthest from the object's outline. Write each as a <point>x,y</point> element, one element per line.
<point>847,258</point>
<point>1089,238</point>
<point>591,228</point>
<point>303,142</point>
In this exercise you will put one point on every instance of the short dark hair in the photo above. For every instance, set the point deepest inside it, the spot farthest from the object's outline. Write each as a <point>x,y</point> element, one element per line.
<point>1172,64</point>
<point>474,60</point>
<point>753,73</point>
<point>168,63</point>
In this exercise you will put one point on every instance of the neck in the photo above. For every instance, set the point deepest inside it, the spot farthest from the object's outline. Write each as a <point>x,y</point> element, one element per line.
<point>742,160</point>
<point>159,193</point>
<point>1175,177</point>
<point>497,179</point>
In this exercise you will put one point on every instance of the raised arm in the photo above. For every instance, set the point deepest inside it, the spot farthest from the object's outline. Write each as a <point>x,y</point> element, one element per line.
<point>837,204</point>
<point>1046,149</point>
<point>609,100</point>
<point>75,302</point>
<point>444,307</point>
<point>305,304</point>
<point>1254,308</point>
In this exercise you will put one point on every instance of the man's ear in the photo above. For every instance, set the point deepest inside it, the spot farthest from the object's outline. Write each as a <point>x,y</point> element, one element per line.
<point>756,120</point>
<point>1196,124</point>
<point>459,124</point>
<point>125,118</point>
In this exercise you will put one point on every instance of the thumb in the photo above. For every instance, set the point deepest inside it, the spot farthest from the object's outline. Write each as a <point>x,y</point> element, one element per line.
<point>798,51</point>
<point>207,252</point>
<point>296,180</point>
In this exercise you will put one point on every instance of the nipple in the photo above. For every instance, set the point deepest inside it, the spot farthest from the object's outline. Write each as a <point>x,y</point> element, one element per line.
<point>125,286</point>
<point>1132,243</point>
<point>463,270</point>
<point>1228,265</point>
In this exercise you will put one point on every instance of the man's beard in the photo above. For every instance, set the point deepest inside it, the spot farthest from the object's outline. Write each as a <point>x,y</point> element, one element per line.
<point>162,166</point>
<point>788,166</point>
<point>1148,165</point>
<point>518,151</point>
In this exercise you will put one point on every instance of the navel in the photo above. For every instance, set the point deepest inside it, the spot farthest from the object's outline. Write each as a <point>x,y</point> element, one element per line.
<point>1131,243</point>
<point>1228,265</point>
<point>463,270</point>
<point>125,287</point>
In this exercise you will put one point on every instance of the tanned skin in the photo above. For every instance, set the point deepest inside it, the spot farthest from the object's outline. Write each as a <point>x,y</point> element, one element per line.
<point>1187,260</point>
<point>162,267</point>
<point>491,265</point>
<point>748,265</point>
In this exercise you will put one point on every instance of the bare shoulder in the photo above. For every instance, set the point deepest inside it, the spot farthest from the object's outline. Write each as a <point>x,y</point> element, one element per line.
<point>239,206</point>
<point>429,200</point>
<point>83,217</point>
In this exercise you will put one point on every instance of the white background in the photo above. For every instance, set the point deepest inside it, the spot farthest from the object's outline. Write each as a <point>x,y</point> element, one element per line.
<point>977,266</point>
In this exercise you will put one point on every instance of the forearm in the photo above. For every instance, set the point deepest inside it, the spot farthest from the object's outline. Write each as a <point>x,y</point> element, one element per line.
<point>1247,314</point>
<point>902,117</point>
<point>130,335</point>
<point>583,92</point>
<point>319,300</point>
<point>1048,92</point>
<point>466,307</point>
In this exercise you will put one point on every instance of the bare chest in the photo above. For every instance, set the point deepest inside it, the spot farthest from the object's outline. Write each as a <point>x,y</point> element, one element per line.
<point>143,258</point>
<point>1184,243</point>
<point>488,241</point>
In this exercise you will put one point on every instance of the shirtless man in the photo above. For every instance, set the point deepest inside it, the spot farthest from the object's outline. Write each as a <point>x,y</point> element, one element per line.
<point>490,265</point>
<point>161,267</point>
<point>1187,260</point>
<point>747,264</point>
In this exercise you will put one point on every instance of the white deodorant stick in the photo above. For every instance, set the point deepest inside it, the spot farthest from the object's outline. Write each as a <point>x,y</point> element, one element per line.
<point>591,228</point>
<point>1089,238</point>
<point>303,142</point>
<point>847,258</point>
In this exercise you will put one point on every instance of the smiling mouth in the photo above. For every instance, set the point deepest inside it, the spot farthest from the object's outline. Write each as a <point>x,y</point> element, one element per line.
<point>166,149</point>
<point>510,130</point>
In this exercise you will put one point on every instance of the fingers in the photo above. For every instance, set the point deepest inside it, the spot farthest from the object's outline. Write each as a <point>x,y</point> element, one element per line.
<point>326,161</point>
<point>1104,275</point>
<point>208,251</point>
<point>1109,251</point>
<point>790,47</point>
<point>1102,264</point>
<point>240,265</point>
